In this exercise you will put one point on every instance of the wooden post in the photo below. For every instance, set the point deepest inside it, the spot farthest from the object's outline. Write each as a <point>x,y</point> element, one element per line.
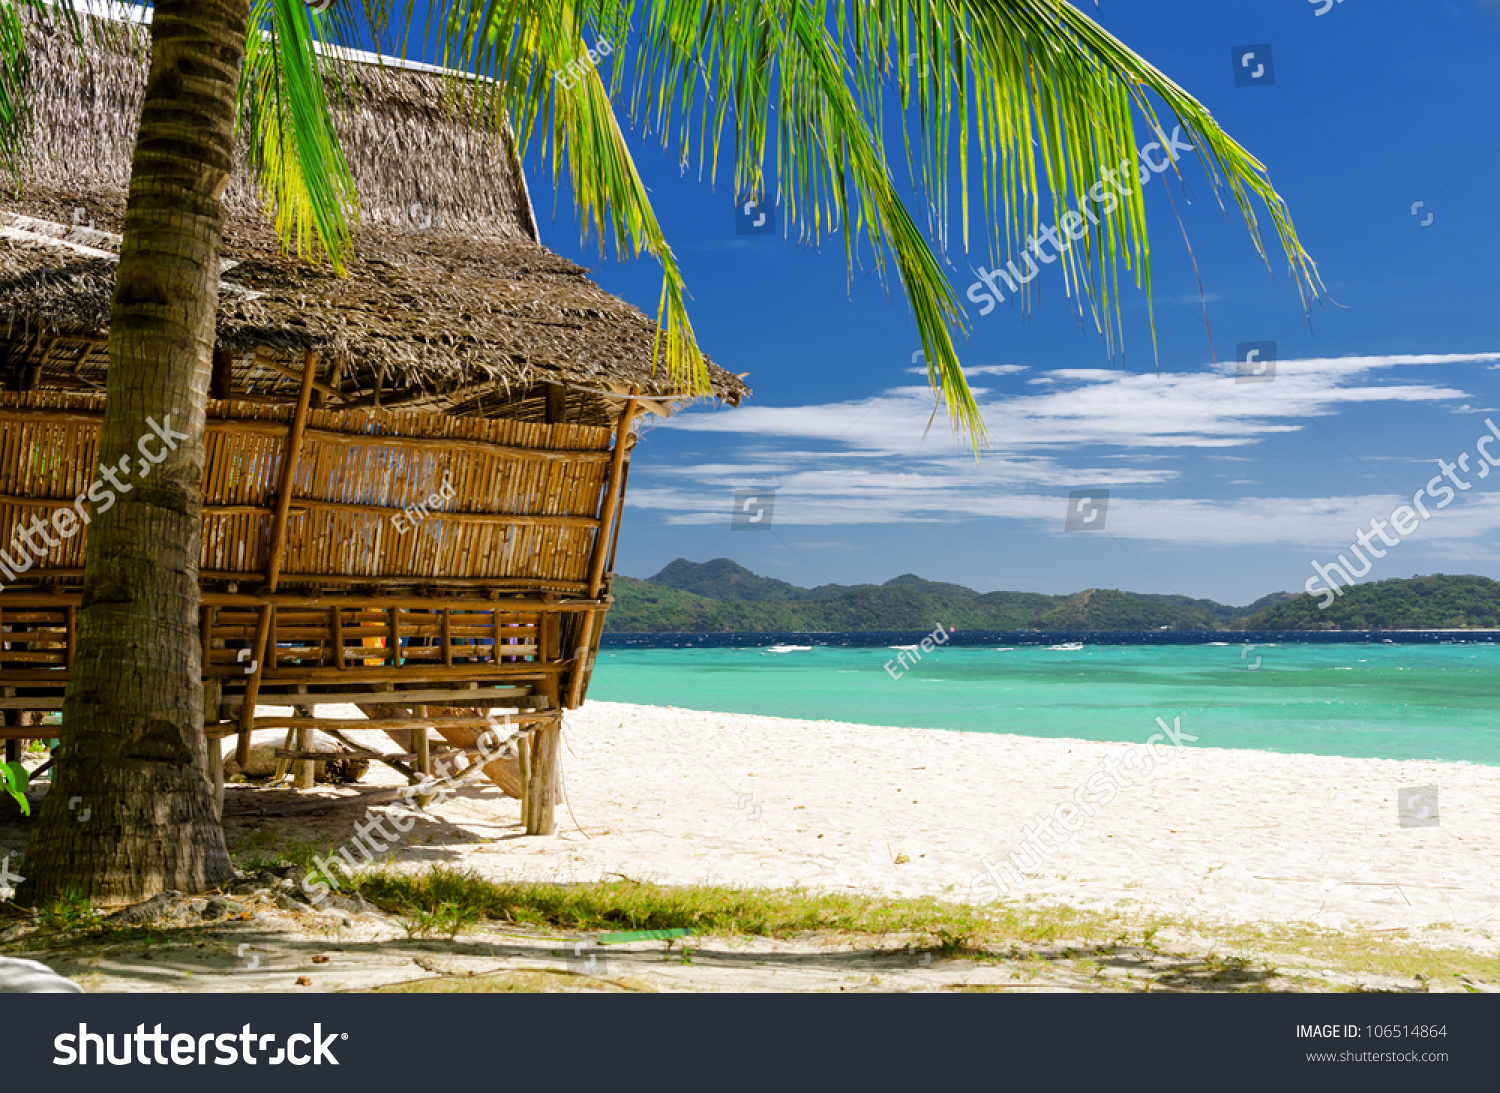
<point>541,787</point>
<point>338,637</point>
<point>580,661</point>
<point>421,745</point>
<point>304,771</point>
<point>290,457</point>
<point>282,762</point>
<point>608,514</point>
<point>448,637</point>
<point>614,544</point>
<point>615,490</point>
<point>221,385</point>
<point>252,685</point>
<point>523,761</point>
<point>557,404</point>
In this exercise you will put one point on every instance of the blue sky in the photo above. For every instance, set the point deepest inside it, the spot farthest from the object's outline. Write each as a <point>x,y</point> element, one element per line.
<point>1219,489</point>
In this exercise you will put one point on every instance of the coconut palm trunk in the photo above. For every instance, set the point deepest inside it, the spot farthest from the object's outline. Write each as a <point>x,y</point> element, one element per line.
<point>131,809</point>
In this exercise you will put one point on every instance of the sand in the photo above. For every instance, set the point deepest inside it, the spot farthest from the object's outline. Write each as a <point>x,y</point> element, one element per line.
<point>1212,838</point>
<point>1223,836</point>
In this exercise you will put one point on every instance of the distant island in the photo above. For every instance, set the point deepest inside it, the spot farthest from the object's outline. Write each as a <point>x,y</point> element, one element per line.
<point>721,596</point>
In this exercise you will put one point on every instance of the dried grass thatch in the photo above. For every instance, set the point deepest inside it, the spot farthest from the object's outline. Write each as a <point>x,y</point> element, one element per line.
<point>451,304</point>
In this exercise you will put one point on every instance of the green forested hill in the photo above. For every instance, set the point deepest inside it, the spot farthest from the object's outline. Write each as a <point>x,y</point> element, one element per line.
<point>1418,603</point>
<point>722,596</point>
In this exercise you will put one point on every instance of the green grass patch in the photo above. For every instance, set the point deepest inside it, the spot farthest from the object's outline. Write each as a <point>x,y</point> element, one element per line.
<point>619,906</point>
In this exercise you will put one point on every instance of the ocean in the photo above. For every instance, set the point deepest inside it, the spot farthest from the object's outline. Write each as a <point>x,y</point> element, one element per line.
<point>1429,696</point>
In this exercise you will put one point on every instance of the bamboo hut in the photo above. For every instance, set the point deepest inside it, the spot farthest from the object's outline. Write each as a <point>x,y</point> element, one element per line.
<point>414,474</point>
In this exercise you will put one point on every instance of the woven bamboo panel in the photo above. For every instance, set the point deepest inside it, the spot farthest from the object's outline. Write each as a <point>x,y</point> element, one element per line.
<point>518,501</point>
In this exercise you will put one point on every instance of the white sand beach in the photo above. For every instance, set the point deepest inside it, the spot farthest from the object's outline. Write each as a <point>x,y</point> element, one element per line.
<point>1219,836</point>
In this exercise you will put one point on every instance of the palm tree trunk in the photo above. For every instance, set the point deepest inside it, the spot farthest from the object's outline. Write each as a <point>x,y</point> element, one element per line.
<point>133,757</point>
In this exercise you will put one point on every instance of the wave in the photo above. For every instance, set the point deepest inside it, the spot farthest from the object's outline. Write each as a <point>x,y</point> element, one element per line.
<point>1067,647</point>
<point>789,649</point>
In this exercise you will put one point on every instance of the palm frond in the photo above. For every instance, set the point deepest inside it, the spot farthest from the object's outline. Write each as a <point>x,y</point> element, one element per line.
<point>15,79</point>
<point>1033,96</point>
<point>296,162</point>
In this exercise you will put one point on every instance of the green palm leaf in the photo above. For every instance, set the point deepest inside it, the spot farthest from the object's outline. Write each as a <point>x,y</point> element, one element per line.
<point>14,778</point>
<point>1033,96</point>
<point>296,162</point>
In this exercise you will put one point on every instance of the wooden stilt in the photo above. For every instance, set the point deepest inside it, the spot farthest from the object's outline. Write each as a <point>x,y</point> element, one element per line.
<point>420,744</point>
<point>282,762</point>
<point>609,513</point>
<point>541,787</point>
<point>282,513</point>
<point>523,751</point>
<point>305,771</point>
<point>252,685</point>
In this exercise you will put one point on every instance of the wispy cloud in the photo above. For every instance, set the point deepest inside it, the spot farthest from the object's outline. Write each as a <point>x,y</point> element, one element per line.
<point>872,460</point>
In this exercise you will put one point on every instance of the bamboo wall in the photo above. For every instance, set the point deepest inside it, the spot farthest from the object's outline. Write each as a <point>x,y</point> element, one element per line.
<point>525,510</point>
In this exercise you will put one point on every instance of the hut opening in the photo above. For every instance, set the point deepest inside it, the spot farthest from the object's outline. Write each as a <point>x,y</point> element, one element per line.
<point>414,474</point>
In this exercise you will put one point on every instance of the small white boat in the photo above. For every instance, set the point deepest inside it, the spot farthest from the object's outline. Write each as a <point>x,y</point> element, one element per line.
<point>1068,647</point>
<point>790,649</point>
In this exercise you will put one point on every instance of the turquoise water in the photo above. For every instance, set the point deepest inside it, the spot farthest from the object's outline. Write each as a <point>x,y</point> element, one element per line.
<point>1382,701</point>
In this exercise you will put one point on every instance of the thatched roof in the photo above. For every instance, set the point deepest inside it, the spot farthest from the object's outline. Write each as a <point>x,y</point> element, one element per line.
<point>451,303</point>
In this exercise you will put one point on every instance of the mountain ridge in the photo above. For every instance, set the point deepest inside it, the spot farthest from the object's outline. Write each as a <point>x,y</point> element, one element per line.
<point>721,595</point>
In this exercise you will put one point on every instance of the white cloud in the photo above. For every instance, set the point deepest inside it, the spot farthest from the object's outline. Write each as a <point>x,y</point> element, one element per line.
<point>874,461</point>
